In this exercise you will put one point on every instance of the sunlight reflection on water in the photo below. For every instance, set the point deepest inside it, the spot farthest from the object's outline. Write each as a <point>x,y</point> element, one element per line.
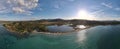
<point>81,26</point>
<point>81,35</point>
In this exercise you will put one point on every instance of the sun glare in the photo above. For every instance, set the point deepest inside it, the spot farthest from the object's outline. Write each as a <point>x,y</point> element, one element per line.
<point>84,14</point>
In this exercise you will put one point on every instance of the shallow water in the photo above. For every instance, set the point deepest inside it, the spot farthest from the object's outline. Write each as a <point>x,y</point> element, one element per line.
<point>62,28</point>
<point>99,37</point>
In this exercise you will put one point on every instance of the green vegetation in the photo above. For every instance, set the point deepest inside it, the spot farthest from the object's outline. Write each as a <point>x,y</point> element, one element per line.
<point>23,28</point>
<point>27,27</point>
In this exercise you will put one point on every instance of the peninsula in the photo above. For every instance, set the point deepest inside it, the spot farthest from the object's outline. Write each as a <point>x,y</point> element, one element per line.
<point>24,28</point>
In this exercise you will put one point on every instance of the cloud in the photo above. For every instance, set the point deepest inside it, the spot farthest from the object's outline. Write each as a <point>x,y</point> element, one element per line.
<point>108,18</point>
<point>18,6</point>
<point>56,6</point>
<point>118,9</point>
<point>71,0</point>
<point>18,10</point>
<point>41,9</point>
<point>2,7</point>
<point>110,6</point>
<point>107,5</point>
<point>101,15</point>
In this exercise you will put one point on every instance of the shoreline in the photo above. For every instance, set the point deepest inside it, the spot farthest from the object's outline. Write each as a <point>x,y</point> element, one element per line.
<point>47,32</point>
<point>59,33</point>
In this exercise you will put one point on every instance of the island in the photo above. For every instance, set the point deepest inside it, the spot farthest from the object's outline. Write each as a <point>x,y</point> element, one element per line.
<point>23,28</point>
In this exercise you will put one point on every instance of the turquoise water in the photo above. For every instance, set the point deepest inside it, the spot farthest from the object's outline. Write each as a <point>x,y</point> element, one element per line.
<point>99,37</point>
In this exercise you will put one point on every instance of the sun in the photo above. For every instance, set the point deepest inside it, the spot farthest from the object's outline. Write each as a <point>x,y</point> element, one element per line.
<point>84,14</point>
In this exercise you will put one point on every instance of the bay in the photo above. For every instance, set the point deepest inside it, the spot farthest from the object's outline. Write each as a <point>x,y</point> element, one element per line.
<point>98,37</point>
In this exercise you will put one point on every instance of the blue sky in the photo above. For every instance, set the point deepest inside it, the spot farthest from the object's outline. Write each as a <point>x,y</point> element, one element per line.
<point>65,9</point>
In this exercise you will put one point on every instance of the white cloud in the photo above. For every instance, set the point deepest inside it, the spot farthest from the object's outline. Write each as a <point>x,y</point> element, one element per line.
<point>110,6</point>
<point>118,9</point>
<point>18,6</point>
<point>18,10</point>
<point>107,5</point>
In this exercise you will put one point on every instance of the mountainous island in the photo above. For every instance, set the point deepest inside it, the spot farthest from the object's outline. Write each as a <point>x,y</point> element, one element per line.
<point>24,28</point>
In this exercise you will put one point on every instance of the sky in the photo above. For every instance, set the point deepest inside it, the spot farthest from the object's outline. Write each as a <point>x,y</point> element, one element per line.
<point>13,10</point>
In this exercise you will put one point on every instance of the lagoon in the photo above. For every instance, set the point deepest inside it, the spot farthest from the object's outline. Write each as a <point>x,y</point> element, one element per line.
<point>98,37</point>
